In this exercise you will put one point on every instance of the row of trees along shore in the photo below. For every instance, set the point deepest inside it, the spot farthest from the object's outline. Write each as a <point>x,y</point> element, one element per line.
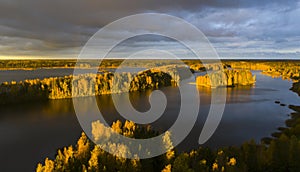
<point>87,85</point>
<point>107,83</point>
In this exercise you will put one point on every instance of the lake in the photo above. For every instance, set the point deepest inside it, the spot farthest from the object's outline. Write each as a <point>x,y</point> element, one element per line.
<point>33,131</point>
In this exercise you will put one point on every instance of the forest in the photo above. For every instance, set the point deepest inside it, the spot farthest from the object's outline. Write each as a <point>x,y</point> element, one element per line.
<point>31,64</point>
<point>280,154</point>
<point>89,84</point>
<point>83,85</point>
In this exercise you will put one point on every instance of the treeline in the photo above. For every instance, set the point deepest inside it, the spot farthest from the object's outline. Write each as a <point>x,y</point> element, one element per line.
<point>260,64</point>
<point>112,63</point>
<point>84,85</point>
<point>280,154</point>
<point>107,83</point>
<point>250,64</point>
<point>47,63</point>
<point>86,156</point>
<point>107,63</point>
<point>226,77</point>
<point>33,64</point>
<point>63,63</point>
<point>209,66</point>
<point>284,70</point>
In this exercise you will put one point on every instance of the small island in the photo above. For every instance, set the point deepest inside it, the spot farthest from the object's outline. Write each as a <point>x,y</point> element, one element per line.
<point>227,78</point>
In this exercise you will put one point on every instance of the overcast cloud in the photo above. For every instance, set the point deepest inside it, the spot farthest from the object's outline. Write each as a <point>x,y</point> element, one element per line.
<point>59,29</point>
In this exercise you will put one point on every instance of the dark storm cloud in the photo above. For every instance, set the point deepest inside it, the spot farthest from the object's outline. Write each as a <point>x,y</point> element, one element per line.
<point>29,27</point>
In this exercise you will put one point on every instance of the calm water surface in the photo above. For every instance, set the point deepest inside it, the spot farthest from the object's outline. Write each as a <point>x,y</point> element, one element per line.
<point>31,132</point>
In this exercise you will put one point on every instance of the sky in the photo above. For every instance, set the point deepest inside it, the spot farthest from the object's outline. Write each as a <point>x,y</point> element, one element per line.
<point>235,28</point>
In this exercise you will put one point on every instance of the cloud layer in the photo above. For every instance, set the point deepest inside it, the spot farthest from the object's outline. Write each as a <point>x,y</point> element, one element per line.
<point>55,28</point>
